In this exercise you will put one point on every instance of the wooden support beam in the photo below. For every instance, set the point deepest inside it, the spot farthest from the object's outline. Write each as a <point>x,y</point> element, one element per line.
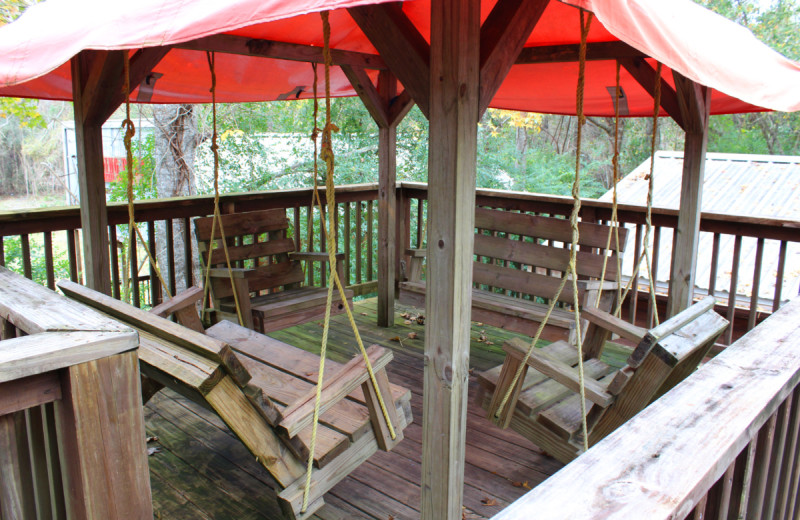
<point>399,106</point>
<point>503,35</point>
<point>97,81</point>
<point>695,102</point>
<point>645,75</point>
<point>89,142</point>
<point>454,99</point>
<point>568,53</point>
<point>387,198</point>
<point>363,86</point>
<point>230,44</point>
<point>402,47</point>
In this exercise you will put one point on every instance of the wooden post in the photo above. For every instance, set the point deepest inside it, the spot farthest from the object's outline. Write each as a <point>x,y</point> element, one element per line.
<point>454,89</point>
<point>92,188</point>
<point>387,205</point>
<point>694,103</point>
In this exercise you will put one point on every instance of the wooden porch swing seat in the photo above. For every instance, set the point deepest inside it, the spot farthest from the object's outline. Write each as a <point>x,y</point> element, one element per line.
<point>264,390</point>
<point>267,272</point>
<point>544,406</point>
<point>544,262</point>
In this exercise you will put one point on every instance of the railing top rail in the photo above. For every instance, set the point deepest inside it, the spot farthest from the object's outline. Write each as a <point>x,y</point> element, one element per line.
<point>61,332</point>
<point>662,462</point>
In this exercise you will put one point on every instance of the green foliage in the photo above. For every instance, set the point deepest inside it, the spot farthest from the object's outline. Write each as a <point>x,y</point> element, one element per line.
<point>144,186</point>
<point>13,257</point>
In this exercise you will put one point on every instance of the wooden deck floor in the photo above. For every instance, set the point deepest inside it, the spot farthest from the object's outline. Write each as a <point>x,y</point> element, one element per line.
<point>201,471</point>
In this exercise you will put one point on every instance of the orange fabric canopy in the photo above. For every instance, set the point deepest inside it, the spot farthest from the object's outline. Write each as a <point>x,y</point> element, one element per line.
<point>745,74</point>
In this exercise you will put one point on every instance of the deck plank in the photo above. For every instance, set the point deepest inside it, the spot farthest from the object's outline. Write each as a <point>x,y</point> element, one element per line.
<point>203,471</point>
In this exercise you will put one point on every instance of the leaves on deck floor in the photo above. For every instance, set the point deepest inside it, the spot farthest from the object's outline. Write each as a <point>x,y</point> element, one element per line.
<point>488,501</point>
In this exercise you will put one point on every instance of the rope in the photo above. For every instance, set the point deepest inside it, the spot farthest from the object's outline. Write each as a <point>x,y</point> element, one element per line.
<point>614,229</point>
<point>133,228</point>
<point>572,271</point>
<point>330,194</point>
<point>217,220</point>
<point>648,218</point>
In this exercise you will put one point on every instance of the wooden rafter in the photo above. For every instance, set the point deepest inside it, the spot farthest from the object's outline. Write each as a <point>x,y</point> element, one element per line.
<point>645,75</point>
<point>402,47</point>
<point>503,36</point>
<point>244,46</point>
<point>399,106</point>
<point>568,53</point>
<point>368,93</point>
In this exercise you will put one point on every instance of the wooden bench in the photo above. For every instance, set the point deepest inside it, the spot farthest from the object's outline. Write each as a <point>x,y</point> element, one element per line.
<point>513,276</point>
<point>264,391</point>
<point>544,405</point>
<point>267,271</point>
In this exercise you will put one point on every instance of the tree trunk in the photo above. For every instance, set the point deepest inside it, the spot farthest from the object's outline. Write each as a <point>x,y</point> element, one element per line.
<point>176,139</point>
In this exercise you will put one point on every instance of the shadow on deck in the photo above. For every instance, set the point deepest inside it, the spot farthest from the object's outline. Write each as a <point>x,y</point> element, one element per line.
<point>201,471</point>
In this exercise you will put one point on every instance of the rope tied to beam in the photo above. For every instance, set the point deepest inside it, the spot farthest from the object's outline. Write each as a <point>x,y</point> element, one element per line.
<point>572,270</point>
<point>217,219</point>
<point>327,155</point>
<point>133,228</point>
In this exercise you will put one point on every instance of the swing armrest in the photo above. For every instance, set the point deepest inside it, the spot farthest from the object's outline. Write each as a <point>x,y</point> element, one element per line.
<point>613,324</point>
<point>561,373</point>
<point>415,258</point>
<point>300,414</point>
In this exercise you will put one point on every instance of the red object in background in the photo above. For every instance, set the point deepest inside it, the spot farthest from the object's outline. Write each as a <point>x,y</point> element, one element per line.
<point>112,166</point>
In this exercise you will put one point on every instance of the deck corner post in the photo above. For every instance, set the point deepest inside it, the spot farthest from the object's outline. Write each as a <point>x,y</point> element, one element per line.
<point>454,114</point>
<point>94,217</point>
<point>387,205</point>
<point>695,102</point>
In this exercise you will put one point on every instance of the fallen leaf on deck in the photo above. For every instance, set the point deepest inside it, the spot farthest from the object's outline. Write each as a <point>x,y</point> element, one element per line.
<point>488,501</point>
<point>364,314</point>
<point>152,439</point>
<point>489,342</point>
<point>521,484</point>
<point>420,320</point>
<point>412,335</point>
<point>479,324</point>
<point>396,338</point>
<point>152,451</point>
<point>407,322</point>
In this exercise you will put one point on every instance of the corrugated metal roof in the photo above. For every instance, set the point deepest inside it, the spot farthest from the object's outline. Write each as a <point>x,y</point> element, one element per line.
<point>735,184</point>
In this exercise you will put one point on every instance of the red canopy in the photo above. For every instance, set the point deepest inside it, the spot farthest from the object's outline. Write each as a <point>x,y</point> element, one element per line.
<point>745,74</point>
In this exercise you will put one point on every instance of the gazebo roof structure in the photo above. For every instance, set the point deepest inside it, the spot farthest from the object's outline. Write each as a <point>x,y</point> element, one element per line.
<point>702,46</point>
<point>453,58</point>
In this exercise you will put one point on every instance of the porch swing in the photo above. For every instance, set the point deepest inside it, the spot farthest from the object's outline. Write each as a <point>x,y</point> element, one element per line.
<point>572,399</point>
<point>307,430</point>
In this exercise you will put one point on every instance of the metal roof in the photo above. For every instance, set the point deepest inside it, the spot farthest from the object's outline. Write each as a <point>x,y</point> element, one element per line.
<point>734,184</point>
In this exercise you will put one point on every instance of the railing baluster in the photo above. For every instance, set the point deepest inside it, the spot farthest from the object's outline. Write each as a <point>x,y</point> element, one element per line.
<point>755,503</point>
<point>634,293</point>
<point>169,226</point>
<point>743,479</point>
<point>310,240</point>
<point>323,243</point>
<point>48,260</point>
<point>155,284</point>
<point>712,278</point>
<point>114,253</point>
<point>776,301</point>
<point>2,253</point>
<point>420,224</point>
<point>737,253</point>
<point>751,318</point>
<point>787,491</point>
<point>298,242</point>
<point>348,252</point>
<point>370,248</point>
<point>72,255</point>
<point>654,274</point>
<point>188,257</point>
<point>25,246</point>
<point>134,268</point>
<point>359,242</point>
<point>776,458</point>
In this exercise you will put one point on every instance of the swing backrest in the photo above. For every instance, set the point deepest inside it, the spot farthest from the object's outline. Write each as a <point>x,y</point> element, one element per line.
<point>545,255</point>
<point>666,355</point>
<point>257,242</point>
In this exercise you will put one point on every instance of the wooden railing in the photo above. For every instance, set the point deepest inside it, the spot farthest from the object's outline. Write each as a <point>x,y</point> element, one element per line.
<point>750,238</point>
<point>72,438</point>
<point>27,240</point>
<point>721,445</point>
